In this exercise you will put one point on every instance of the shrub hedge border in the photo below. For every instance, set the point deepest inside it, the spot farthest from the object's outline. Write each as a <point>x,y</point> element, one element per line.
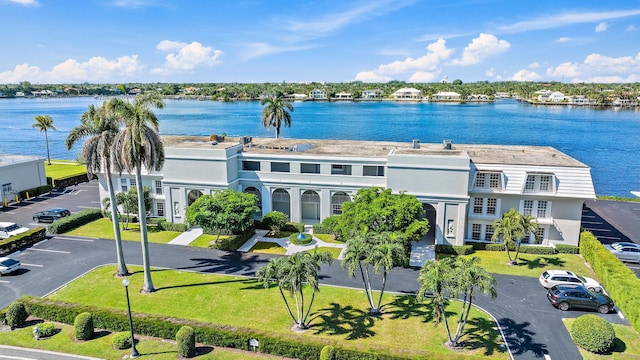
<point>454,249</point>
<point>27,238</point>
<point>621,283</point>
<point>69,223</point>
<point>210,334</point>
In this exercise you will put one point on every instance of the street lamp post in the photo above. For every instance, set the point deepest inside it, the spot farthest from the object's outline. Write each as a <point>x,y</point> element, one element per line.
<point>134,352</point>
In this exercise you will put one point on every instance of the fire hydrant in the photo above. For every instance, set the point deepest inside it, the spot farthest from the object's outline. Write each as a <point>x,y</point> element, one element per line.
<point>36,333</point>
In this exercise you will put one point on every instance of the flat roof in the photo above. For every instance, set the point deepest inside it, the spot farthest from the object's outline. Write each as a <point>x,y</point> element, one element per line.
<point>478,153</point>
<point>6,159</point>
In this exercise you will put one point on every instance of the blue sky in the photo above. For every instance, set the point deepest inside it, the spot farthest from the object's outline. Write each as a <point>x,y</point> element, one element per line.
<point>110,41</point>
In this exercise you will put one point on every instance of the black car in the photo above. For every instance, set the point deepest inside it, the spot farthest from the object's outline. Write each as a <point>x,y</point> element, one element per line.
<point>566,297</point>
<point>50,215</point>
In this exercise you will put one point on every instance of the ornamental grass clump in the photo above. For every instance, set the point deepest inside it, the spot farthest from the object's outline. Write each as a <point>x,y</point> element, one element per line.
<point>593,333</point>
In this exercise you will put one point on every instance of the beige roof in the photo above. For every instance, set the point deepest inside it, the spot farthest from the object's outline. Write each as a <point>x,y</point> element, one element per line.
<point>479,154</point>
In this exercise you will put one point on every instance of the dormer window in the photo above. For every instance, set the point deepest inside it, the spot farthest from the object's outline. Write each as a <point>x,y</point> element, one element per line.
<point>539,183</point>
<point>488,181</point>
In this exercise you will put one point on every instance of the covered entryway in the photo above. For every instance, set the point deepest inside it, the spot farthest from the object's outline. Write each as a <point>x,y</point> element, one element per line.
<point>193,196</point>
<point>430,215</point>
<point>310,207</point>
<point>281,201</point>
<point>337,200</point>
<point>256,192</point>
<point>425,249</point>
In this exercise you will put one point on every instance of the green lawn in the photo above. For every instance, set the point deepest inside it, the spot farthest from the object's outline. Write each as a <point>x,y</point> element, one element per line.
<point>335,252</point>
<point>206,240</point>
<point>103,228</point>
<point>100,346</point>
<point>626,345</point>
<point>268,248</point>
<point>328,238</point>
<point>338,314</point>
<point>532,265</point>
<point>63,168</point>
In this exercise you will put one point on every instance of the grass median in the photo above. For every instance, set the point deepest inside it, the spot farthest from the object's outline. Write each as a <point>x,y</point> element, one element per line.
<point>103,228</point>
<point>339,314</point>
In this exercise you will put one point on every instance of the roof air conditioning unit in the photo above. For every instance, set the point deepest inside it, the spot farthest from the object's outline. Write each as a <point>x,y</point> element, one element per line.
<point>447,144</point>
<point>415,144</point>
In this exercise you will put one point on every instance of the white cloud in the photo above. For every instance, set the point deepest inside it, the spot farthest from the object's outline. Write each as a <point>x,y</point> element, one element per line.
<point>526,75</point>
<point>554,21</point>
<point>258,49</point>
<point>25,2</point>
<point>480,48</point>
<point>632,28</point>
<point>563,39</point>
<point>186,57</point>
<point>600,68</point>
<point>534,65</point>
<point>96,69</point>
<point>601,27</point>
<point>491,72</point>
<point>423,76</point>
<point>393,52</point>
<point>428,63</point>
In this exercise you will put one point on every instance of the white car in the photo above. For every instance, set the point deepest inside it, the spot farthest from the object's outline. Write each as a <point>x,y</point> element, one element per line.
<point>625,251</point>
<point>8,265</point>
<point>551,278</point>
<point>8,229</point>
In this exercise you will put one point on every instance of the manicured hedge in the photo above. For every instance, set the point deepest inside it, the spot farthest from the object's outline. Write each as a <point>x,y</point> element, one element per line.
<point>593,333</point>
<point>454,249</point>
<point>169,226</point>
<point>17,314</point>
<point>36,191</point>
<point>27,238</point>
<point>524,249</point>
<point>234,243</point>
<point>74,221</point>
<point>70,180</point>
<point>567,249</point>
<point>321,229</point>
<point>294,227</point>
<point>621,283</point>
<point>292,346</point>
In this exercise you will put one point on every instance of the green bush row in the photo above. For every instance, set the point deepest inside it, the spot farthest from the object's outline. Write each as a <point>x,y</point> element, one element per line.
<point>567,249</point>
<point>64,182</point>
<point>74,221</point>
<point>321,229</point>
<point>36,191</point>
<point>621,283</point>
<point>234,243</point>
<point>169,226</point>
<point>27,238</point>
<point>524,249</point>
<point>454,249</point>
<point>291,346</point>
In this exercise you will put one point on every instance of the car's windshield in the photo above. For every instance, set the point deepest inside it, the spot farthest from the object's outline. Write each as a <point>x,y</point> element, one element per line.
<point>616,246</point>
<point>581,278</point>
<point>8,262</point>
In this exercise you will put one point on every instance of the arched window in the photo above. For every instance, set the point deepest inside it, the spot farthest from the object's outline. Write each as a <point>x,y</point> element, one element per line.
<point>336,202</point>
<point>193,196</point>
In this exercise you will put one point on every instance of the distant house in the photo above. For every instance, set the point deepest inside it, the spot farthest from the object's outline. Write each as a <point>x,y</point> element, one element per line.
<point>318,94</point>
<point>407,94</point>
<point>296,97</point>
<point>502,95</point>
<point>621,102</point>
<point>190,90</point>
<point>20,94</point>
<point>44,93</point>
<point>478,97</point>
<point>135,91</point>
<point>372,94</point>
<point>266,95</point>
<point>342,96</point>
<point>446,96</point>
<point>580,100</point>
<point>556,96</point>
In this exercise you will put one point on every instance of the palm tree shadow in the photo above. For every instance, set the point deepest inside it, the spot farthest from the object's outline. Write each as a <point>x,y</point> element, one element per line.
<point>405,307</point>
<point>343,321</point>
<point>520,338</point>
<point>482,333</point>
<point>540,262</point>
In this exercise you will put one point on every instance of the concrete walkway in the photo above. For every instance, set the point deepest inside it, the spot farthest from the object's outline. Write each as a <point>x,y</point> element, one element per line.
<point>285,243</point>
<point>186,237</point>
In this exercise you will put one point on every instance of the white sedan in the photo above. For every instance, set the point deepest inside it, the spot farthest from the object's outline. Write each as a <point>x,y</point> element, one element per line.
<point>625,251</point>
<point>8,265</point>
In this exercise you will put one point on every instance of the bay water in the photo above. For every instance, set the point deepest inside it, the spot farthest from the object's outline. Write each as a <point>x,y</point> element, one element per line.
<point>606,140</point>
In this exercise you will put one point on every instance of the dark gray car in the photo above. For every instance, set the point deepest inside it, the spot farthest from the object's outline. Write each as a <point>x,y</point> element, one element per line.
<point>566,297</point>
<point>50,215</point>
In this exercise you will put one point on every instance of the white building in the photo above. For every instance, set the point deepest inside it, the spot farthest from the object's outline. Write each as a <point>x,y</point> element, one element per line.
<point>318,94</point>
<point>372,94</point>
<point>18,173</point>
<point>556,96</point>
<point>464,188</point>
<point>407,94</point>
<point>446,96</point>
<point>342,96</point>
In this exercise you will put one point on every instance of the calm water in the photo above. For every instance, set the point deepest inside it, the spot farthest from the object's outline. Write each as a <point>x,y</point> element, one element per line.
<point>606,140</point>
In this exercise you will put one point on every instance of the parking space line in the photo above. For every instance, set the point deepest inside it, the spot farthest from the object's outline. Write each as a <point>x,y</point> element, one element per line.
<point>547,357</point>
<point>34,265</point>
<point>72,239</point>
<point>4,281</point>
<point>87,207</point>
<point>47,250</point>
<point>595,229</point>
<point>592,222</point>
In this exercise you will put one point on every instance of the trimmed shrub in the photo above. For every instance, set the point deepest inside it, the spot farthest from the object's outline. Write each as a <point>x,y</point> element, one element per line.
<point>121,340</point>
<point>275,221</point>
<point>36,191</point>
<point>20,241</point>
<point>75,220</point>
<point>3,317</point>
<point>295,240</point>
<point>294,227</point>
<point>321,229</point>
<point>233,243</point>
<point>328,352</point>
<point>83,324</point>
<point>494,247</point>
<point>454,249</point>
<point>539,250</point>
<point>16,314</point>
<point>169,226</point>
<point>567,249</point>
<point>62,183</point>
<point>593,333</point>
<point>478,245</point>
<point>186,340</point>
<point>155,220</point>
<point>47,329</point>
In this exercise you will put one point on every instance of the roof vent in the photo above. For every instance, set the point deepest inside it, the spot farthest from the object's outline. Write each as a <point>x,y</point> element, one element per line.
<point>244,140</point>
<point>446,144</point>
<point>415,144</point>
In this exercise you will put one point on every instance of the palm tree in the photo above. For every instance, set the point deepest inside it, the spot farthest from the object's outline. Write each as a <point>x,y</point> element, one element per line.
<point>96,151</point>
<point>513,228</point>
<point>138,145</point>
<point>275,113</point>
<point>291,273</point>
<point>377,251</point>
<point>529,226</point>
<point>44,123</point>
<point>434,279</point>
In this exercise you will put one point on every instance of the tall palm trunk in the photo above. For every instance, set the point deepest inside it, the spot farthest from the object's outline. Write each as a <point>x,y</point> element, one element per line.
<point>148,284</point>
<point>46,138</point>
<point>384,284</point>
<point>122,266</point>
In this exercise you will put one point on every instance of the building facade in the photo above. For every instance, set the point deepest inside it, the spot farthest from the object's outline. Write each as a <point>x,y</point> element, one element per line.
<point>463,188</point>
<point>18,173</point>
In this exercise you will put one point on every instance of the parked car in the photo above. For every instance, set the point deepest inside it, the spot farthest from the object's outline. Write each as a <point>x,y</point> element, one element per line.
<point>566,297</point>
<point>550,278</point>
<point>8,229</point>
<point>625,251</point>
<point>8,265</point>
<point>50,215</point>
